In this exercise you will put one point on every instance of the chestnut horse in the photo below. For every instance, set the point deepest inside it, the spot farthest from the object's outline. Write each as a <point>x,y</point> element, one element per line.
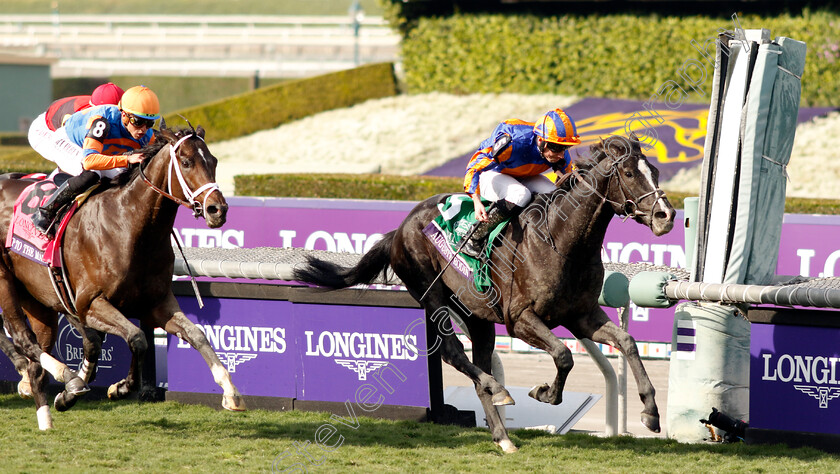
<point>118,259</point>
<point>546,271</point>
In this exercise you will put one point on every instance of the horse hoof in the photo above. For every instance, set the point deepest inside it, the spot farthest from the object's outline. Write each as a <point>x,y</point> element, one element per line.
<point>537,390</point>
<point>234,403</point>
<point>503,398</point>
<point>113,392</point>
<point>63,401</point>
<point>651,422</point>
<point>507,446</point>
<point>77,386</point>
<point>24,390</point>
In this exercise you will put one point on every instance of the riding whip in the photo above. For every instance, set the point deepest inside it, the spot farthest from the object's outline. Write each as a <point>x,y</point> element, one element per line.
<point>461,245</point>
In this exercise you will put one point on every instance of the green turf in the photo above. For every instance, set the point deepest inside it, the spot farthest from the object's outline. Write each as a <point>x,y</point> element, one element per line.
<point>170,437</point>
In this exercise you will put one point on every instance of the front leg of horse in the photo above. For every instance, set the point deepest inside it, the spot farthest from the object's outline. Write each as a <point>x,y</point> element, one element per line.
<point>611,334</point>
<point>531,329</point>
<point>92,343</point>
<point>182,327</point>
<point>104,317</point>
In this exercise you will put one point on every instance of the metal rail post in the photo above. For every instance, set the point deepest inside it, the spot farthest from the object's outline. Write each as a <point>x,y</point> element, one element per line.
<point>611,422</point>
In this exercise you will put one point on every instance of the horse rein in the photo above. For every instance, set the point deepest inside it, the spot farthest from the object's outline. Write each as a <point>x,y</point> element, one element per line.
<point>192,203</point>
<point>630,206</point>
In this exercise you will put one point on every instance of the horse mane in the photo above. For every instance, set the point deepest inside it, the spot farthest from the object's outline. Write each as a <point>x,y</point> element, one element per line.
<point>149,151</point>
<point>566,183</point>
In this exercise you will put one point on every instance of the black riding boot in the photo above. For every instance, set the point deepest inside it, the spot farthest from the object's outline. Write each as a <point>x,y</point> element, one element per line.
<point>43,218</point>
<point>476,244</point>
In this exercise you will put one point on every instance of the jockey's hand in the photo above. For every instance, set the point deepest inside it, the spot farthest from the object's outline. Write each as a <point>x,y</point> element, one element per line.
<point>480,212</point>
<point>135,158</point>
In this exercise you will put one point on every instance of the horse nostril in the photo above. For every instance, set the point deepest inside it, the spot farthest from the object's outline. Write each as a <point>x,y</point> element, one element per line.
<point>660,215</point>
<point>212,210</point>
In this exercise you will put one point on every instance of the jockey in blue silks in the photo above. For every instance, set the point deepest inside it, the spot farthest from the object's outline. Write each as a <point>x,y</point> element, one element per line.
<point>508,167</point>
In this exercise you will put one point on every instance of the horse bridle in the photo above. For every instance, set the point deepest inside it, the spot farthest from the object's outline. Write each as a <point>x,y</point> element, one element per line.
<point>192,203</point>
<point>629,207</point>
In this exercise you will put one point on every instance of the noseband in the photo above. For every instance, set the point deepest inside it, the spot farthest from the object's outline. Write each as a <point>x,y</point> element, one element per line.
<point>191,202</point>
<point>629,207</point>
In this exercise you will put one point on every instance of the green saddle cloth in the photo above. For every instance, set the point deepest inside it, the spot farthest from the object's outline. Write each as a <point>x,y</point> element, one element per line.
<point>446,231</point>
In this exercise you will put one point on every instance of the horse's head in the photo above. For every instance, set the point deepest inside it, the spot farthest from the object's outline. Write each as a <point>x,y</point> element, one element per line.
<point>634,183</point>
<point>192,174</point>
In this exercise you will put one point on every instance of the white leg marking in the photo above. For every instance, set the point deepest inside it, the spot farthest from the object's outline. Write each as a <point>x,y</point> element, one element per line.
<point>54,367</point>
<point>83,371</point>
<point>44,418</point>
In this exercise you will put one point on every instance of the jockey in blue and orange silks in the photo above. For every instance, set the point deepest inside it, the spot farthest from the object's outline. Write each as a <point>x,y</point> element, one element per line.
<point>99,142</point>
<point>508,167</point>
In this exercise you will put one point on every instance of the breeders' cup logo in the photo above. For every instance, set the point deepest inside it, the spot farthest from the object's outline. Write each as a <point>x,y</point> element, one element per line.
<point>362,353</point>
<point>236,345</point>
<point>819,370</point>
<point>69,348</point>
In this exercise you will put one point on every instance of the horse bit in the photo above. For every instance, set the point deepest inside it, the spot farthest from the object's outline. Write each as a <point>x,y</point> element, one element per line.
<point>192,203</point>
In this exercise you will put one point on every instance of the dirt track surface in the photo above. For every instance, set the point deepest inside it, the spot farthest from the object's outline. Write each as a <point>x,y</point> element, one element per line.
<point>527,370</point>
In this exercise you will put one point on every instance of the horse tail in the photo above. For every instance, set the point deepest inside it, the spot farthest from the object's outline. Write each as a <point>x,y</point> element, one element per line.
<point>372,264</point>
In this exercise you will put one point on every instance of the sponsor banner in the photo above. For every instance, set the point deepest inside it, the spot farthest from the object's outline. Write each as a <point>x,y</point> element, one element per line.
<point>253,338</point>
<point>809,244</point>
<point>363,354</point>
<point>795,378</point>
<point>113,364</point>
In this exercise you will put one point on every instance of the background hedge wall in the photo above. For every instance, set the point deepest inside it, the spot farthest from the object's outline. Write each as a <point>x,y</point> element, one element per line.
<point>602,55</point>
<point>271,106</point>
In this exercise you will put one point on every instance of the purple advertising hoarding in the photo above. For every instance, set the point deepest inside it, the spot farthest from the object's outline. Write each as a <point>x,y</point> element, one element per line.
<point>795,378</point>
<point>344,349</point>
<point>307,352</point>
<point>113,365</point>
<point>253,338</point>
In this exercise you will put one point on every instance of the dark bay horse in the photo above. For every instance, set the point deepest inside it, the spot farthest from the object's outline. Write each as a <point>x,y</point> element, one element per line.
<point>119,261</point>
<point>546,272</point>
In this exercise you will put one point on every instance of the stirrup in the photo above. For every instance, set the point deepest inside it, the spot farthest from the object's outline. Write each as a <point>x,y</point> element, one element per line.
<point>42,222</point>
<point>474,249</point>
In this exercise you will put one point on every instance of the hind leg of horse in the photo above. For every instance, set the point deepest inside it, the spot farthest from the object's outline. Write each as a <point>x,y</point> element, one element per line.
<point>606,332</point>
<point>25,340</point>
<point>483,334</point>
<point>103,316</point>
<point>170,317</point>
<point>531,329</point>
<point>19,361</point>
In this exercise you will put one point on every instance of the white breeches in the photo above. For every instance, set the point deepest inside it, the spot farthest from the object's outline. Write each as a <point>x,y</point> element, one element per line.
<point>495,186</point>
<point>56,147</point>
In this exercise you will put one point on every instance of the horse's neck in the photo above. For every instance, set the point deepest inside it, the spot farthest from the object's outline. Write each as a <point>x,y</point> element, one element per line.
<point>578,220</point>
<point>150,207</point>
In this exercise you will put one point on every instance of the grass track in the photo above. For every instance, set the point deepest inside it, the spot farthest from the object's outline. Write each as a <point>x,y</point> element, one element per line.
<point>170,437</point>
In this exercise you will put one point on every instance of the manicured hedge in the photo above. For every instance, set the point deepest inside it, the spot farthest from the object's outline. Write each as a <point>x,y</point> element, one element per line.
<point>601,55</point>
<point>271,106</point>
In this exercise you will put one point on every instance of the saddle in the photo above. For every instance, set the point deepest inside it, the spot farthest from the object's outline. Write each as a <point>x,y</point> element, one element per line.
<point>23,239</point>
<point>447,231</point>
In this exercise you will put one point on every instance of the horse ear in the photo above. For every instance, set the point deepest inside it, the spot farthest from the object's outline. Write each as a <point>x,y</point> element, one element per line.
<point>167,135</point>
<point>162,123</point>
<point>200,131</point>
<point>634,137</point>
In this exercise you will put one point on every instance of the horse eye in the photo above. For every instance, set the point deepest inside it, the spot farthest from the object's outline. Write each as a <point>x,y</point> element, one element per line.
<point>185,163</point>
<point>629,174</point>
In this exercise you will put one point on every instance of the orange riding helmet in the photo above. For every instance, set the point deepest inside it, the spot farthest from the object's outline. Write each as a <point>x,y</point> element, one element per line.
<point>557,127</point>
<point>140,101</point>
